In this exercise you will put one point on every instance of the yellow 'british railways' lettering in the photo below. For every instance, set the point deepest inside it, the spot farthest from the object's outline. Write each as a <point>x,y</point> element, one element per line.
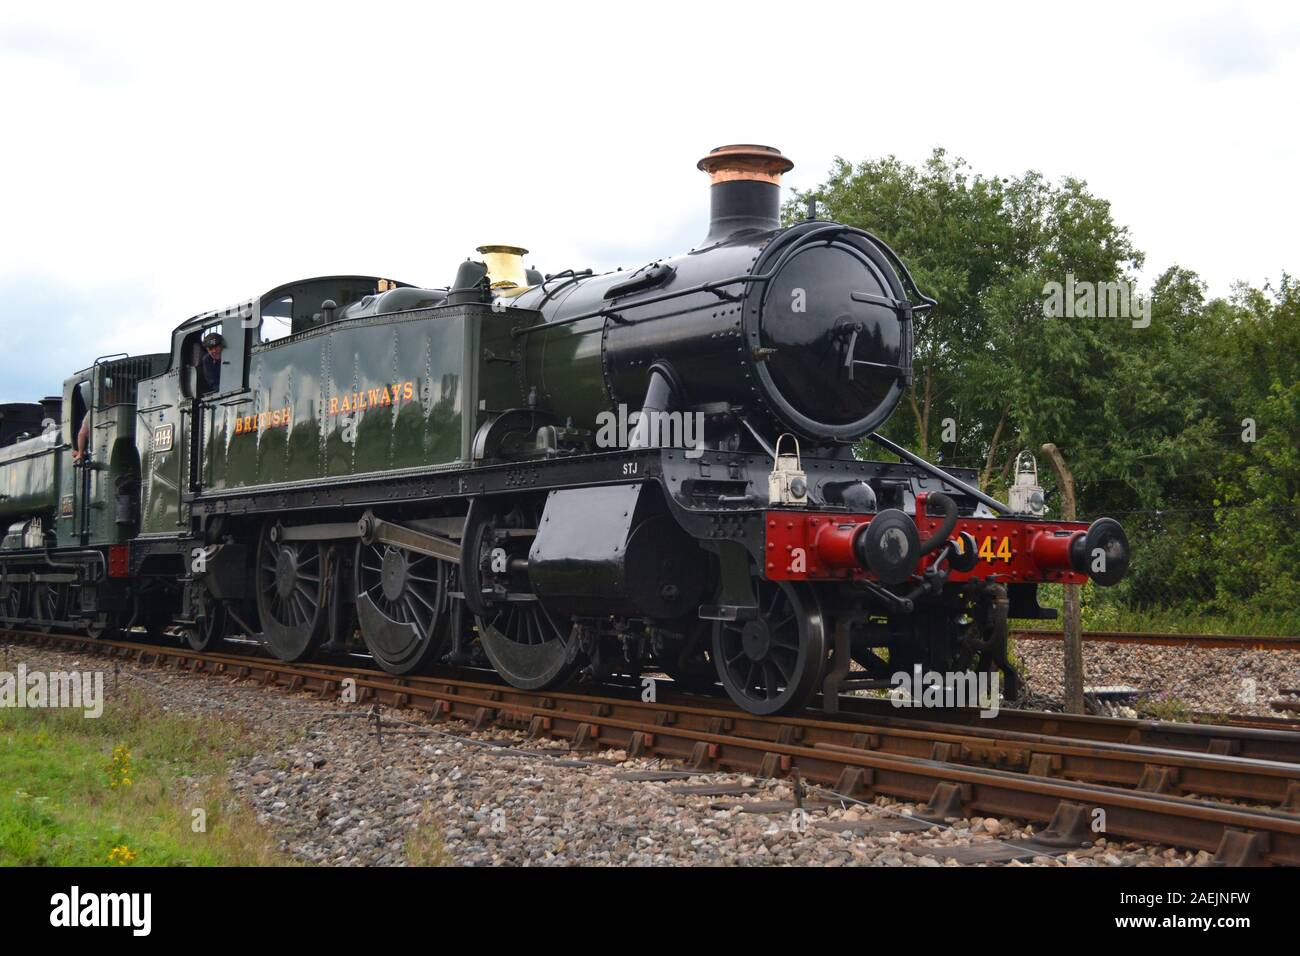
<point>377,397</point>
<point>278,418</point>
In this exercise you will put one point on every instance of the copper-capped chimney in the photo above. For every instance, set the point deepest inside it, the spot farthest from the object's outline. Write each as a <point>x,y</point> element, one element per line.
<point>746,190</point>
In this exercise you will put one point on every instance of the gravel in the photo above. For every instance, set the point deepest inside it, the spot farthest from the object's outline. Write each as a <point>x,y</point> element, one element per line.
<point>1214,680</point>
<point>321,783</point>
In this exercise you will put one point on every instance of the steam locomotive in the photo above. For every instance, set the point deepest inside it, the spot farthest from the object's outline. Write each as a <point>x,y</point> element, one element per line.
<point>569,477</point>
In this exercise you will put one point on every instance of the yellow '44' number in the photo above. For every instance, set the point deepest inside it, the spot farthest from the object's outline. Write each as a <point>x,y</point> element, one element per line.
<point>1003,552</point>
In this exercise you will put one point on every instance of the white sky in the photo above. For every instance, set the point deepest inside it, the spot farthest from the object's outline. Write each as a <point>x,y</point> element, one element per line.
<point>158,161</point>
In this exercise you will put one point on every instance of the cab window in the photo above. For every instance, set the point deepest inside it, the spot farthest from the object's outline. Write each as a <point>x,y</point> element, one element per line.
<point>192,352</point>
<point>277,320</point>
<point>80,408</point>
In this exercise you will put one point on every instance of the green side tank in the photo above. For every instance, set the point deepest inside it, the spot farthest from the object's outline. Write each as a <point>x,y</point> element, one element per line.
<point>29,488</point>
<point>48,501</point>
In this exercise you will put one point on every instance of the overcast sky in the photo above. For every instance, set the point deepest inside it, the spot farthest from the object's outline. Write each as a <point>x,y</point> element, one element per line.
<point>159,161</point>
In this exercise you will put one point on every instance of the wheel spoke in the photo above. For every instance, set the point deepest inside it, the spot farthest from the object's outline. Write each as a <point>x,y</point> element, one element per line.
<point>300,608</point>
<point>422,599</point>
<point>408,608</point>
<point>776,665</point>
<point>423,623</point>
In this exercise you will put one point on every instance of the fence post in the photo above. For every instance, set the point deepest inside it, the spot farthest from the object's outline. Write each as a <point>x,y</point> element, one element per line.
<point>1072,622</point>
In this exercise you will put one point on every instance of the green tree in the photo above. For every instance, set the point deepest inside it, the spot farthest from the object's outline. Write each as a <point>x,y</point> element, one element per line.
<point>1255,544</point>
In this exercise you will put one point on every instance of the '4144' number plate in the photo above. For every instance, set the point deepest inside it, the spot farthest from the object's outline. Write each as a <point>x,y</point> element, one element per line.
<point>998,549</point>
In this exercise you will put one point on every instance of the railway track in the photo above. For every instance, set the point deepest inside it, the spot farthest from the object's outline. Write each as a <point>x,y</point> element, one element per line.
<point>1261,738</point>
<point>1239,641</point>
<point>1141,780</point>
<point>1250,720</point>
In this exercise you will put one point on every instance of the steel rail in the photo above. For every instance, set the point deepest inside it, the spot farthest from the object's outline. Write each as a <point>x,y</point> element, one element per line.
<point>1257,738</point>
<point>1240,641</point>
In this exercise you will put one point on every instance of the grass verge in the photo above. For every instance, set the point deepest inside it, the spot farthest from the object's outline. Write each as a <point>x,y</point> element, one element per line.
<point>137,786</point>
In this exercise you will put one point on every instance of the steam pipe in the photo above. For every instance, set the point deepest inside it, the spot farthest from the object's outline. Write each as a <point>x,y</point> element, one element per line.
<point>942,532</point>
<point>660,396</point>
